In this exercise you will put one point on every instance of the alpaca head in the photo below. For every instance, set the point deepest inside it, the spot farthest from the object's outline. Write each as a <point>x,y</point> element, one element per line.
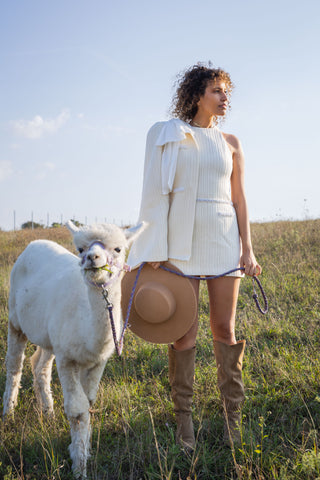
<point>102,250</point>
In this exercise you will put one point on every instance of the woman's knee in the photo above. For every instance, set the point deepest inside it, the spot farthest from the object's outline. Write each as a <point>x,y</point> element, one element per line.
<point>223,332</point>
<point>188,340</point>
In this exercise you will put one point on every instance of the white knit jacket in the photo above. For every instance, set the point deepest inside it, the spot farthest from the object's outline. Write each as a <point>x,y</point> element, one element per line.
<point>168,198</point>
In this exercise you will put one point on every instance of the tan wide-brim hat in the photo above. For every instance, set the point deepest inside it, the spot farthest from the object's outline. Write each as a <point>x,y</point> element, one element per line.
<point>164,305</point>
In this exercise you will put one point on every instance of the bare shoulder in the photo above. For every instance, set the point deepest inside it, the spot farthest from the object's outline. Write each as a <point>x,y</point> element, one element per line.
<point>233,142</point>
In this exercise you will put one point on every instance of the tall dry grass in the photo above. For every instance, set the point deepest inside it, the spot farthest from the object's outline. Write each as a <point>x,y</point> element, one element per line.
<point>133,422</point>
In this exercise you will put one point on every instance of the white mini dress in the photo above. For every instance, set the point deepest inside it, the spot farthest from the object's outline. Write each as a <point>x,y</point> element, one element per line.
<point>216,246</point>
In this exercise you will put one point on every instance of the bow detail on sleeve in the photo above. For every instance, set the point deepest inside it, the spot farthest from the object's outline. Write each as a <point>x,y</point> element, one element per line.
<point>170,136</point>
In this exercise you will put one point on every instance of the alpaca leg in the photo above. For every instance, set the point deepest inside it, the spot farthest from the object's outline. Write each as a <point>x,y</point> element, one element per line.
<point>41,364</point>
<point>14,363</point>
<point>90,380</point>
<point>80,443</point>
<point>76,407</point>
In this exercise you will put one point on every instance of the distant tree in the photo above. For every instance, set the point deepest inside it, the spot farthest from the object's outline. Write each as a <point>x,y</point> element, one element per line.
<point>30,224</point>
<point>58,224</point>
<point>77,223</point>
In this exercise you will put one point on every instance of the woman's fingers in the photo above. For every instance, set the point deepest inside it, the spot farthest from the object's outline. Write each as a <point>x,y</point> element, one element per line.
<point>258,269</point>
<point>254,269</point>
<point>154,265</point>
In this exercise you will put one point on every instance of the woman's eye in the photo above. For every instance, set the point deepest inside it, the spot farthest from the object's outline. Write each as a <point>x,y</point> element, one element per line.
<point>117,249</point>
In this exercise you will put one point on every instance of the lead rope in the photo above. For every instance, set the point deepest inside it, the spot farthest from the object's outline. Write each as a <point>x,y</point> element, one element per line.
<point>119,344</point>
<point>255,296</point>
<point>254,279</point>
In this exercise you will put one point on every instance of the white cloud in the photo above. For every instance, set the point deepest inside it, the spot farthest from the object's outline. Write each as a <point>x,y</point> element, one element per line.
<point>117,130</point>
<point>44,169</point>
<point>38,126</point>
<point>6,169</point>
<point>49,165</point>
<point>15,146</point>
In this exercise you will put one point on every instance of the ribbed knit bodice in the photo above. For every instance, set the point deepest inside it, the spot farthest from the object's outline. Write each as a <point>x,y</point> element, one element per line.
<point>215,165</point>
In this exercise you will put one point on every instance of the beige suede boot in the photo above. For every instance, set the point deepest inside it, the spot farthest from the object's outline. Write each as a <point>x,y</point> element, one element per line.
<point>229,364</point>
<point>181,377</point>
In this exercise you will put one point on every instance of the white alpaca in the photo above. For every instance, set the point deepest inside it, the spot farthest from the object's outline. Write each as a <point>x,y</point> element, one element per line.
<point>59,306</point>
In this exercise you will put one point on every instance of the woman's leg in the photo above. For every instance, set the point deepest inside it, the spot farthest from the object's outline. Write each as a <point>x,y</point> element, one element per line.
<point>223,295</point>
<point>189,339</point>
<point>181,377</point>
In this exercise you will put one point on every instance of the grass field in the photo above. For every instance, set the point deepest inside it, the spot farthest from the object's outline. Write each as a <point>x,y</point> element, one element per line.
<point>133,422</point>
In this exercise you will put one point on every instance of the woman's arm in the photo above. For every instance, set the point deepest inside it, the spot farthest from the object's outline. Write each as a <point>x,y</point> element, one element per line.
<point>248,260</point>
<point>151,245</point>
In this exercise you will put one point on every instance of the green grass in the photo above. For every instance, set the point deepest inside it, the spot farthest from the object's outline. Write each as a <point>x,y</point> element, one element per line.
<point>133,421</point>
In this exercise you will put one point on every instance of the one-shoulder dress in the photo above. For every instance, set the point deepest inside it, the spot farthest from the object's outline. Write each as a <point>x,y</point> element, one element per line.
<point>186,201</point>
<point>215,240</point>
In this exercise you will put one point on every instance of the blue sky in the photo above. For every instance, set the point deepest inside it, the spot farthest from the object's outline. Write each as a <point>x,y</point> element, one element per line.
<point>81,83</point>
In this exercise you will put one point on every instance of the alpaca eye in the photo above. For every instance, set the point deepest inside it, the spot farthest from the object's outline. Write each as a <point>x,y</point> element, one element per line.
<point>117,249</point>
<point>80,250</point>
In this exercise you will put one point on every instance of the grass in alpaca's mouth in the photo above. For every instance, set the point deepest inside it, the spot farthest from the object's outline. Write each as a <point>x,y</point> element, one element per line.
<point>106,268</point>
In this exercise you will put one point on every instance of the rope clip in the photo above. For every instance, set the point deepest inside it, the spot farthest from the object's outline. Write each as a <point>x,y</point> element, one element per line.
<point>105,295</point>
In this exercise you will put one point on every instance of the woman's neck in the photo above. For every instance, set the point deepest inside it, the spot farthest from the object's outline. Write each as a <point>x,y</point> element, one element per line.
<point>202,121</point>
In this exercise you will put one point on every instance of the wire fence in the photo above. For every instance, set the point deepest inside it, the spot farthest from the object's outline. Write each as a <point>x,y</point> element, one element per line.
<point>56,221</point>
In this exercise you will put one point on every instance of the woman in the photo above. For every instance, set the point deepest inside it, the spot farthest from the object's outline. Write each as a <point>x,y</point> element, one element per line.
<point>194,203</point>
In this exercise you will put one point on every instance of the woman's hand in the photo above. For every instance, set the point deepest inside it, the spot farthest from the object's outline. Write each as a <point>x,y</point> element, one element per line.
<point>250,264</point>
<point>154,265</point>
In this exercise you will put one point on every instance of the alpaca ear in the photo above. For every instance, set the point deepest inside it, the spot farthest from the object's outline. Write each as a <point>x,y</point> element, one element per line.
<point>72,227</point>
<point>133,233</point>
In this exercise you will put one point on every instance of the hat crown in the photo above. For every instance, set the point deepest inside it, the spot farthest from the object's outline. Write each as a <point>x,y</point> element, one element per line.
<point>154,302</point>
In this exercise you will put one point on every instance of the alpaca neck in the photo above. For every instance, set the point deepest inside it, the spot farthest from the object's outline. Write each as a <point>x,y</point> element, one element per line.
<point>99,320</point>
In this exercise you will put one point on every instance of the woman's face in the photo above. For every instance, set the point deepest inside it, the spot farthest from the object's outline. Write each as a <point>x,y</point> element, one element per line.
<point>214,101</point>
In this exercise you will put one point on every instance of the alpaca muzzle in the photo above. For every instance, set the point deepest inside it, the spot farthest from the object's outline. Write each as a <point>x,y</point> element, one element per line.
<point>98,258</point>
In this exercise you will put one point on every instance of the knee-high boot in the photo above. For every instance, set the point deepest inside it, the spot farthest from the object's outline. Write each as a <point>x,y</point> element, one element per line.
<point>229,364</point>
<point>181,377</point>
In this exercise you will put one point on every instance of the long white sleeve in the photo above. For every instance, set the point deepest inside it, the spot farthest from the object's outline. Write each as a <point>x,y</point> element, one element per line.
<point>152,244</point>
<point>164,140</point>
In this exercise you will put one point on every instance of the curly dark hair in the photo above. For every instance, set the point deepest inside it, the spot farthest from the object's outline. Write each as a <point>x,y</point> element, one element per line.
<point>191,85</point>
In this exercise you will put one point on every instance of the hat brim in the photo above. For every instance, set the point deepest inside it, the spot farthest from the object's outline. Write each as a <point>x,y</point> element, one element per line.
<point>186,304</point>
